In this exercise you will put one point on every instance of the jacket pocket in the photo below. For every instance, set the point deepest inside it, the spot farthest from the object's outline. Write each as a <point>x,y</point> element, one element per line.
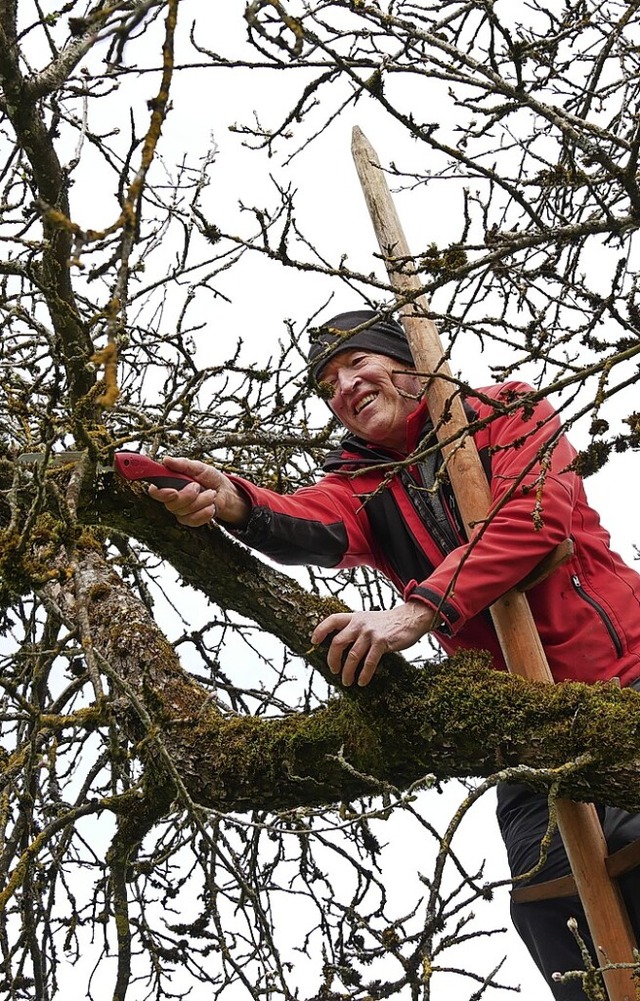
<point>597,607</point>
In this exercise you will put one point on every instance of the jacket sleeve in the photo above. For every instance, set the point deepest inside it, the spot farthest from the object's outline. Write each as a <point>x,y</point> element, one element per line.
<point>324,524</point>
<point>533,496</point>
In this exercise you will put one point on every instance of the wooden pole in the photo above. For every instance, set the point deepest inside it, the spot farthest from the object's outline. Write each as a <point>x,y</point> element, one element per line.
<point>578,822</point>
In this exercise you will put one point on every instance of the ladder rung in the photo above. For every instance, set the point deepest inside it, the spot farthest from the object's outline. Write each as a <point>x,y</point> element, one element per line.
<point>618,864</point>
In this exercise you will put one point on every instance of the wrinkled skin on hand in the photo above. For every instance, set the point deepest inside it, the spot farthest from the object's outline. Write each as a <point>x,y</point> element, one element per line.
<point>361,638</point>
<point>212,496</point>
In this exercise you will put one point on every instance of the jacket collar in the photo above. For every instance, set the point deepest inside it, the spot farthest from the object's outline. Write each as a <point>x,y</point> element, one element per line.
<point>418,422</point>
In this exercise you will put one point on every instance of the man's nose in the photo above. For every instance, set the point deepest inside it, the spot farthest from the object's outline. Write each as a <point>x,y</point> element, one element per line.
<point>346,378</point>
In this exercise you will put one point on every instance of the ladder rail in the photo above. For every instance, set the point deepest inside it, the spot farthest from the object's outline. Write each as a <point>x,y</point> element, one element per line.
<point>578,822</point>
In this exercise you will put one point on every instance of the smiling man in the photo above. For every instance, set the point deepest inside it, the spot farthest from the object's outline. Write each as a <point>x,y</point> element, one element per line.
<point>384,501</point>
<point>370,396</point>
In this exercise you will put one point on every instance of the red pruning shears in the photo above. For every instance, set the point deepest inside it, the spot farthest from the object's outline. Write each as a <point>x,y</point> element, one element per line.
<point>130,465</point>
<point>133,466</point>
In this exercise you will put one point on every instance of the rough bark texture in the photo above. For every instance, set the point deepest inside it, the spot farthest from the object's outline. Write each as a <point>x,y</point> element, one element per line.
<point>456,718</point>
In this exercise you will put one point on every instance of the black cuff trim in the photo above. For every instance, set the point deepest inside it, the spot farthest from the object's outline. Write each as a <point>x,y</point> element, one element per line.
<point>444,607</point>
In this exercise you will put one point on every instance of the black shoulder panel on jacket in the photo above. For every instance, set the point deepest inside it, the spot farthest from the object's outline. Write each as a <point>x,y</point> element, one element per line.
<point>354,453</point>
<point>294,541</point>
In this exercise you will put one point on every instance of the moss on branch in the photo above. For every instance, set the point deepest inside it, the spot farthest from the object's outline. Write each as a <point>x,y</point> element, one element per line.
<point>454,719</point>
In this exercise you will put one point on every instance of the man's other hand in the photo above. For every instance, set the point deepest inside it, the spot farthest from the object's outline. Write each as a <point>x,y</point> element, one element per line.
<point>361,638</point>
<point>212,496</point>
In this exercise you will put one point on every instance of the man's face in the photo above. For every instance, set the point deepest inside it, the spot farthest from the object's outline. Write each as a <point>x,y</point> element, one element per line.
<point>372,396</point>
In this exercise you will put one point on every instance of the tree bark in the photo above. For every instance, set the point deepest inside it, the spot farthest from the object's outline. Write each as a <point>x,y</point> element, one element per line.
<point>53,272</point>
<point>457,718</point>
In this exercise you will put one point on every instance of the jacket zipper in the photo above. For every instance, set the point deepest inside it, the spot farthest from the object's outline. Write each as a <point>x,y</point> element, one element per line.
<point>445,540</point>
<point>615,639</point>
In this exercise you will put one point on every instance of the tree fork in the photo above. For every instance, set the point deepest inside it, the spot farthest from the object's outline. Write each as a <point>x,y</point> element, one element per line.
<point>578,822</point>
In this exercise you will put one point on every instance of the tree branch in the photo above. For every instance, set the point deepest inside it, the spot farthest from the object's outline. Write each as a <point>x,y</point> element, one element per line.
<point>453,719</point>
<point>50,183</point>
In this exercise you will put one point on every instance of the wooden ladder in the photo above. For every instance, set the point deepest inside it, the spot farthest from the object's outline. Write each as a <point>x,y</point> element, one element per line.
<point>579,825</point>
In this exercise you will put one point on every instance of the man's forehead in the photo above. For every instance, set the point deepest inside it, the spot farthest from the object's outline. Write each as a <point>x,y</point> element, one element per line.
<point>344,359</point>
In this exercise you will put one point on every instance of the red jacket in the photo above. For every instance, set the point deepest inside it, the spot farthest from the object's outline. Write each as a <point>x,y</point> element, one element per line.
<point>587,612</point>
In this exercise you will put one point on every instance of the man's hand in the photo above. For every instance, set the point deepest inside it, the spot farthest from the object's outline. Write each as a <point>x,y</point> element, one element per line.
<point>363,637</point>
<point>216,497</point>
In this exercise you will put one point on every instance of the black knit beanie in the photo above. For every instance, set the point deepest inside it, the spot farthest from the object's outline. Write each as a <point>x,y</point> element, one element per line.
<point>383,337</point>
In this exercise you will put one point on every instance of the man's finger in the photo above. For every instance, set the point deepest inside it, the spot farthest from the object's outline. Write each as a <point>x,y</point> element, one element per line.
<point>370,666</point>
<point>200,518</point>
<point>190,499</point>
<point>192,506</point>
<point>351,660</point>
<point>332,624</point>
<point>170,497</point>
<point>339,653</point>
<point>198,513</point>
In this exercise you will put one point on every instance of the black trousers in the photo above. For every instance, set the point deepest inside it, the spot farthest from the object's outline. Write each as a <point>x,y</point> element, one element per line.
<point>542,924</point>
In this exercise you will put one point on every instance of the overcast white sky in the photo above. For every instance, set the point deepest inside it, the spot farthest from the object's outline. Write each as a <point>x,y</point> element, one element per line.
<point>331,207</point>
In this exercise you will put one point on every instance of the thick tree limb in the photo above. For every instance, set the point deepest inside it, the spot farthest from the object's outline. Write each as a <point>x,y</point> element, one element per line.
<point>454,719</point>
<point>210,561</point>
<point>50,182</point>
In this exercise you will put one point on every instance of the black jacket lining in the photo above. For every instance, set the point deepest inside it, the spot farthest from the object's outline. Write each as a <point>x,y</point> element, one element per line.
<point>393,537</point>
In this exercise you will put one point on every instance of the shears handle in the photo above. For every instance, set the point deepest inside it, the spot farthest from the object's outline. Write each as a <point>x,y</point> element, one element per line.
<point>133,466</point>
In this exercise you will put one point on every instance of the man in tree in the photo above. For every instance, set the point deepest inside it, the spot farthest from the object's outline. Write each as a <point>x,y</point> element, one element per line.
<point>384,501</point>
